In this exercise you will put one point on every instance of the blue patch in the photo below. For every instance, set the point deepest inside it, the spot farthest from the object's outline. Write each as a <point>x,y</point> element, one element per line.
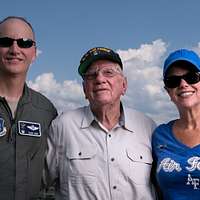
<point>2,127</point>
<point>29,128</point>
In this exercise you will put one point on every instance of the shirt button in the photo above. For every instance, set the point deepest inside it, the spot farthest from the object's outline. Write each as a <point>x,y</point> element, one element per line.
<point>114,187</point>
<point>109,135</point>
<point>79,153</point>
<point>112,159</point>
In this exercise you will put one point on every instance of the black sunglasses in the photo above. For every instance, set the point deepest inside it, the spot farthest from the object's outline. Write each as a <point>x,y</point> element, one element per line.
<point>21,42</point>
<point>174,81</point>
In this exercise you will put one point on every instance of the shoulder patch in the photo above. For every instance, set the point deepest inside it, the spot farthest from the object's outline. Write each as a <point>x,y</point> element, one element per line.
<point>2,127</point>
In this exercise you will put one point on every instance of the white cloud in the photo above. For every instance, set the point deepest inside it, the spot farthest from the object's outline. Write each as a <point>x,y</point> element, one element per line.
<point>197,48</point>
<point>143,68</point>
<point>65,95</point>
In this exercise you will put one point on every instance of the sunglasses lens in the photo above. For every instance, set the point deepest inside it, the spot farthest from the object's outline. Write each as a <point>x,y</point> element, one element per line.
<point>22,42</point>
<point>192,78</point>
<point>174,81</point>
<point>25,43</point>
<point>6,42</point>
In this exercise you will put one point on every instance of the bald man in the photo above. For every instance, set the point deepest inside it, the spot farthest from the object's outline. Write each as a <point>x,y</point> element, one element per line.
<point>25,114</point>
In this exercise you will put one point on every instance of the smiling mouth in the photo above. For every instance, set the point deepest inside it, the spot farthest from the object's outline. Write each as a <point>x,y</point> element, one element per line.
<point>13,58</point>
<point>185,94</point>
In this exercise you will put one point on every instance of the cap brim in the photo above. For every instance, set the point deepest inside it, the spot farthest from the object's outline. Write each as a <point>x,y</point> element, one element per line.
<point>84,66</point>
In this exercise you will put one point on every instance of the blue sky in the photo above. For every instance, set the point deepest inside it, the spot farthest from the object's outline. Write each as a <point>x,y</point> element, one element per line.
<point>142,31</point>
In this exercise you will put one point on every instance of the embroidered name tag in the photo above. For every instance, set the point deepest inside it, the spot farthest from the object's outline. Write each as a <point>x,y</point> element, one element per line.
<point>29,128</point>
<point>2,127</point>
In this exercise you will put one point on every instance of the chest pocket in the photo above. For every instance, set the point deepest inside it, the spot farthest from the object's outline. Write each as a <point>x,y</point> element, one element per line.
<point>82,160</point>
<point>140,163</point>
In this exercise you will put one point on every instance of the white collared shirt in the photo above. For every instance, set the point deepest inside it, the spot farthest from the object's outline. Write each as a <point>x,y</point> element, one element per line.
<point>92,163</point>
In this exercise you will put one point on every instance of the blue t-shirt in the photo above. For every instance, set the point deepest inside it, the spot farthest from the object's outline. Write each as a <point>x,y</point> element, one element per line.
<point>177,165</point>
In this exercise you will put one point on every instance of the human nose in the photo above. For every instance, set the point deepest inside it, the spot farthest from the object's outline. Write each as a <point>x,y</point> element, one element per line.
<point>14,48</point>
<point>183,83</point>
<point>99,76</point>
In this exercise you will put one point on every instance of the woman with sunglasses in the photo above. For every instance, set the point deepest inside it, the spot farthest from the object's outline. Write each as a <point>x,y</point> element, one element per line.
<point>176,145</point>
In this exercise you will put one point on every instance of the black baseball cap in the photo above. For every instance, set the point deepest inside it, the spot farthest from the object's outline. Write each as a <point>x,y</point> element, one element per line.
<point>98,53</point>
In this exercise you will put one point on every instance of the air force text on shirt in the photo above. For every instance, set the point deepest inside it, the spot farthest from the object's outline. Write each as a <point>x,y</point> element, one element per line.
<point>169,165</point>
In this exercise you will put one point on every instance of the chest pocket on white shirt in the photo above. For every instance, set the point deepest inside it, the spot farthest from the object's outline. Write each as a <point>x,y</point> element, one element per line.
<point>82,164</point>
<point>140,163</point>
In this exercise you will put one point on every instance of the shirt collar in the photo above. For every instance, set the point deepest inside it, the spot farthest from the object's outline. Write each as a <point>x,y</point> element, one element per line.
<point>88,117</point>
<point>124,120</point>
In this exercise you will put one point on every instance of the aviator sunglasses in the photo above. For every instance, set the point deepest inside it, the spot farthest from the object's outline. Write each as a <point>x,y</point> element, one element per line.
<point>174,81</point>
<point>21,42</point>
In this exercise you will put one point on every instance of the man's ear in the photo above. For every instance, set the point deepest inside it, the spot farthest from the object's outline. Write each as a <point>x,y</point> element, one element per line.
<point>124,86</point>
<point>84,89</point>
<point>35,55</point>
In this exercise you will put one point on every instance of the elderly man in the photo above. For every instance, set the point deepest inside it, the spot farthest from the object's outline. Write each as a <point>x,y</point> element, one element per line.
<point>101,151</point>
<point>25,115</point>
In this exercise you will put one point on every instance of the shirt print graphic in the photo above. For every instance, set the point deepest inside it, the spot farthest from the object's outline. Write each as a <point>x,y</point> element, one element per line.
<point>168,165</point>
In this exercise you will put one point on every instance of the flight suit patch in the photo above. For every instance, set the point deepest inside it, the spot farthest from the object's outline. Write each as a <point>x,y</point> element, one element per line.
<point>29,128</point>
<point>2,127</point>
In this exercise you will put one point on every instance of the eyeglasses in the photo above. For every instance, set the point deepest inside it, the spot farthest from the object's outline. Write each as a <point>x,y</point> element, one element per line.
<point>107,72</point>
<point>174,81</point>
<point>21,42</point>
